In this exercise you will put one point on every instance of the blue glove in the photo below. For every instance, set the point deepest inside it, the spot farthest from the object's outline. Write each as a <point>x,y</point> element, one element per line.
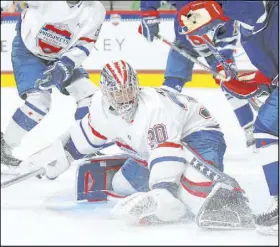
<point>149,26</point>
<point>55,74</point>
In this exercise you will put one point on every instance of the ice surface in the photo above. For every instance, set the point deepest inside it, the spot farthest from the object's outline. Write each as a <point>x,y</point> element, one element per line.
<point>42,212</point>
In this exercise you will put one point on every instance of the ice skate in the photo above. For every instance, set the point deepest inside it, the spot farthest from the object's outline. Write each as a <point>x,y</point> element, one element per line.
<point>9,164</point>
<point>267,223</point>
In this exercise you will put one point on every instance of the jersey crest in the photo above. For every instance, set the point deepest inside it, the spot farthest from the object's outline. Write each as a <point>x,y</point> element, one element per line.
<point>52,38</point>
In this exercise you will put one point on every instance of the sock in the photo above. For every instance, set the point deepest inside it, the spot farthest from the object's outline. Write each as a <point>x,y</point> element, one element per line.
<point>242,110</point>
<point>24,119</point>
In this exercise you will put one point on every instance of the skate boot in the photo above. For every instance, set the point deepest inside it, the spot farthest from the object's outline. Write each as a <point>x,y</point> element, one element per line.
<point>7,158</point>
<point>267,223</point>
<point>250,140</point>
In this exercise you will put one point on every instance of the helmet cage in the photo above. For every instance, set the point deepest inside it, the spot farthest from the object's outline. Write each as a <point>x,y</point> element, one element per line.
<point>122,95</point>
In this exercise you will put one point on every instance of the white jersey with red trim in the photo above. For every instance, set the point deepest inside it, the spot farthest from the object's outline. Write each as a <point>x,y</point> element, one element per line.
<point>160,123</point>
<point>52,29</point>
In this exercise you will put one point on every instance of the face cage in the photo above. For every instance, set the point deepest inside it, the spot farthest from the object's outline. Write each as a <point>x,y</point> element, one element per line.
<point>124,101</point>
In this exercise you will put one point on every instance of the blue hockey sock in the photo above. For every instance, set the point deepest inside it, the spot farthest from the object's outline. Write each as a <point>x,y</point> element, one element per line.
<point>174,83</point>
<point>271,176</point>
<point>241,109</point>
<point>24,119</point>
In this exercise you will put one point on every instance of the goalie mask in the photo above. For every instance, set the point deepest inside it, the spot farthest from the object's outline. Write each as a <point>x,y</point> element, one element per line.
<point>120,89</point>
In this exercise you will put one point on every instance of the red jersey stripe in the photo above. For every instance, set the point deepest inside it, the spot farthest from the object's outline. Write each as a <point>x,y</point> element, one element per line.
<point>202,184</point>
<point>195,193</point>
<point>96,133</point>
<point>170,145</point>
<point>87,40</point>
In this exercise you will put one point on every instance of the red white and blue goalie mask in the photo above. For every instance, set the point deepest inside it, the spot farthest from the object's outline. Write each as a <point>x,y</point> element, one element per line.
<point>120,89</point>
<point>199,17</point>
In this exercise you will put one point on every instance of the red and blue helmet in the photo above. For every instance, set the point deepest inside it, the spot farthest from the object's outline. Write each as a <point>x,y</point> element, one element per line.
<point>120,88</point>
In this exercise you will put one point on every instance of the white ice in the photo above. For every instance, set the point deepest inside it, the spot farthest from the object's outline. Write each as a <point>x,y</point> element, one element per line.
<point>40,212</point>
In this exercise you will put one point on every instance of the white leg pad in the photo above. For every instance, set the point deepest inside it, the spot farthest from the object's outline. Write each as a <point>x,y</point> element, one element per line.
<point>188,195</point>
<point>121,185</point>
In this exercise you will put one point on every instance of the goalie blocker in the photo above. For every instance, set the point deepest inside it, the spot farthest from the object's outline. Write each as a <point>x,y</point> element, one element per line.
<point>94,178</point>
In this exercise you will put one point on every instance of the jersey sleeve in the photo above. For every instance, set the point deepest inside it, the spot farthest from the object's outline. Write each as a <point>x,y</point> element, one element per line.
<point>164,139</point>
<point>89,135</point>
<point>226,39</point>
<point>251,14</point>
<point>82,48</point>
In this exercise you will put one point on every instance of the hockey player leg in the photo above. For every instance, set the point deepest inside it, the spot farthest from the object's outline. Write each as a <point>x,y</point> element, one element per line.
<point>266,133</point>
<point>27,69</point>
<point>131,178</point>
<point>215,198</point>
<point>81,89</point>
<point>178,71</point>
<point>25,118</point>
<point>160,204</point>
<point>245,116</point>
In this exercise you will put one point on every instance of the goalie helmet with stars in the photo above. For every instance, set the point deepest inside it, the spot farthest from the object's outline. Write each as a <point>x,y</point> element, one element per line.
<point>120,88</point>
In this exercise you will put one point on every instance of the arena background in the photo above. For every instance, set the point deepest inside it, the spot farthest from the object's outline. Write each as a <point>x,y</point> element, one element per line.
<point>119,39</point>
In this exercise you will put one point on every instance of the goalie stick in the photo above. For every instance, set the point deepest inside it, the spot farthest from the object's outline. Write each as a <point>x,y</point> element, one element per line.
<point>25,176</point>
<point>40,171</point>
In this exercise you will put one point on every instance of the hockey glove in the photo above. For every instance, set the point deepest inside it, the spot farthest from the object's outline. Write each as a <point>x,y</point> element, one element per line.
<point>248,85</point>
<point>225,74</point>
<point>55,74</point>
<point>149,26</point>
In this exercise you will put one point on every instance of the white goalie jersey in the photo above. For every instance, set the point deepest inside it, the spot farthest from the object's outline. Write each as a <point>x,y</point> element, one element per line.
<point>52,29</point>
<point>161,121</point>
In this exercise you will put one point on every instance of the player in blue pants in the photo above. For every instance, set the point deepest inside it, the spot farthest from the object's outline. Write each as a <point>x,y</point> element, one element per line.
<point>179,69</point>
<point>47,54</point>
<point>259,38</point>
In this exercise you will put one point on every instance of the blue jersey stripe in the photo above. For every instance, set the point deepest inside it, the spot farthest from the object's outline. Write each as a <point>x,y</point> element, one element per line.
<point>167,158</point>
<point>23,120</point>
<point>34,108</point>
<point>86,137</point>
<point>82,48</point>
